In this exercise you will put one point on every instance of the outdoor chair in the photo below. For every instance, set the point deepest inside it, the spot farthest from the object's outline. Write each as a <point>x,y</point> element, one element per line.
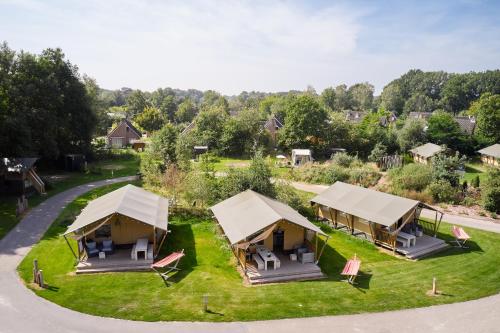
<point>108,247</point>
<point>92,249</point>
<point>461,237</point>
<point>169,263</point>
<point>306,257</point>
<point>351,269</point>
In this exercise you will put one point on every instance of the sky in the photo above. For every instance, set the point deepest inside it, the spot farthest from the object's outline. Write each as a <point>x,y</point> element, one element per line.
<point>234,46</point>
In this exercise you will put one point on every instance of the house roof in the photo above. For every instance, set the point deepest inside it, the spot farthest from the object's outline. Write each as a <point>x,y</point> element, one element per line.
<point>301,152</point>
<point>249,212</point>
<point>17,164</point>
<point>466,123</point>
<point>371,205</point>
<point>130,201</point>
<point>355,116</point>
<point>427,150</point>
<point>420,115</point>
<point>129,124</point>
<point>493,150</point>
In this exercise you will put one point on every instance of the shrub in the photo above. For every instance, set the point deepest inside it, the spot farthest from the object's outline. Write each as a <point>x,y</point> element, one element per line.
<point>336,173</point>
<point>365,177</point>
<point>475,182</point>
<point>287,194</point>
<point>490,191</point>
<point>343,159</point>
<point>412,176</point>
<point>442,191</point>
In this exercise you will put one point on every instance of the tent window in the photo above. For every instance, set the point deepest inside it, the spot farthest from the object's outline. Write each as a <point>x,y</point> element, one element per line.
<point>103,231</point>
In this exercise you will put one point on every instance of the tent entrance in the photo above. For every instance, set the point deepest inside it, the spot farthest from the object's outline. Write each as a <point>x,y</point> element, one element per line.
<point>278,240</point>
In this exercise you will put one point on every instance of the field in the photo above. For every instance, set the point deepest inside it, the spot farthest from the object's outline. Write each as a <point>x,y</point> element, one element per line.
<point>386,282</point>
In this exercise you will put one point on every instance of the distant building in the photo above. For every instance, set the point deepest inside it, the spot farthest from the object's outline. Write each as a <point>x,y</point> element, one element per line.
<point>420,115</point>
<point>272,126</point>
<point>466,123</point>
<point>123,134</point>
<point>301,156</point>
<point>355,116</point>
<point>491,155</point>
<point>422,154</point>
<point>388,119</point>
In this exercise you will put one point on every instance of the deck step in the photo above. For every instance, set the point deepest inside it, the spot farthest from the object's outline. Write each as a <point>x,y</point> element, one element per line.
<point>285,274</point>
<point>428,251</point>
<point>290,277</point>
<point>91,270</point>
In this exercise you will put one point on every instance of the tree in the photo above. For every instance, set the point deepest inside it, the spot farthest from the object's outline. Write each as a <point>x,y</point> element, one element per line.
<point>379,151</point>
<point>342,98</point>
<point>186,111</point>
<point>392,98</point>
<point>259,176</point>
<point>212,99</point>
<point>444,167</point>
<point>328,98</point>
<point>490,190</point>
<point>419,103</point>
<point>136,103</point>
<point>150,119</point>
<point>361,96</point>
<point>442,129</point>
<point>163,143</point>
<point>411,135</point>
<point>209,125</point>
<point>241,133</point>
<point>487,113</point>
<point>305,123</point>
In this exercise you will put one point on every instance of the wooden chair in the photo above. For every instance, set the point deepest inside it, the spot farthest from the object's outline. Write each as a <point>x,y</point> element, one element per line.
<point>170,262</point>
<point>461,237</point>
<point>351,269</point>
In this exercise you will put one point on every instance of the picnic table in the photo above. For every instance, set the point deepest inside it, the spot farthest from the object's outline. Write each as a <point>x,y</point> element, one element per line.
<point>267,256</point>
<point>407,239</point>
<point>141,246</point>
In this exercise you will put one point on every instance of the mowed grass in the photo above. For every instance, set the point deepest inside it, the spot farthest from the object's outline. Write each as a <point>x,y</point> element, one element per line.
<point>209,268</point>
<point>117,167</point>
<point>472,170</point>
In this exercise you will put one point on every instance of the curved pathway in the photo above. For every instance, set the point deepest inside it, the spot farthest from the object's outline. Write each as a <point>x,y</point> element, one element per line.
<point>22,311</point>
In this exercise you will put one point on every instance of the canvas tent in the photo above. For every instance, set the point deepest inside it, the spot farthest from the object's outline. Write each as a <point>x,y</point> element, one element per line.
<point>491,155</point>
<point>376,214</point>
<point>250,218</point>
<point>123,216</point>
<point>301,156</point>
<point>422,154</point>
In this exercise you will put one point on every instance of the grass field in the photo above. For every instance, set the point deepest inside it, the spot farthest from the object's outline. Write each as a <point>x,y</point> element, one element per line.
<point>386,282</point>
<point>116,167</point>
<point>472,170</point>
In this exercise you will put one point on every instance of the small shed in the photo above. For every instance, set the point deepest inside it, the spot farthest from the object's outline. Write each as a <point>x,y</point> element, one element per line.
<point>199,150</point>
<point>74,162</point>
<point>123,216</point>
<point>18,176</point>
<point>491,155</point>
<point>301,156</point>
<point>423,154</point>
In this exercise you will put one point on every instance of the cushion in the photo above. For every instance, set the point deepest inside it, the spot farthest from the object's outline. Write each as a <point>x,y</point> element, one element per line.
<point>91,245</point>
<point>107,243</point>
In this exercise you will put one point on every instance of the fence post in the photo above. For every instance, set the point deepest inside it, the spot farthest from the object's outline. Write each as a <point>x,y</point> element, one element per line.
<point>35,270</point>
<point>205,303</point>
<point>433,286</point>
<point>40,278</point>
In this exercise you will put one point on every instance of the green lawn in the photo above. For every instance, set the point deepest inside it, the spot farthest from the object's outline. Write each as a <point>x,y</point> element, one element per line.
<point>472,170</point>
<point>118,166</point>
<point>386,283</point>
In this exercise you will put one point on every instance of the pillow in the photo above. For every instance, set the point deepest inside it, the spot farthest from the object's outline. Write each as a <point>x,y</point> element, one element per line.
<point>107,243</point>
<point>91,245</point>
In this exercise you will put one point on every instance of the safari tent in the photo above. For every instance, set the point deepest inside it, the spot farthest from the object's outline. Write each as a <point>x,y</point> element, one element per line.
<point>423,154</point>
<point>387,220</point>
<point>127,218</point>
<point>301,156</point>
<point>491,155</point>
<point>262,230</point>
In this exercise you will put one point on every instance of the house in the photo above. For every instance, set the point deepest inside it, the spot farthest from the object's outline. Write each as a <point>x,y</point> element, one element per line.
<point>271,241</point>
<point>301,156</point>
<point>388,119</point>
<point>423,154</point>
<point>466,123</point>
<point>130,222</point>
<point>272,126</point>
<point>355,116</point>
<point>18,176</point>
<point>122,135</point>
<point>385,219</point>
<point>491,155</point>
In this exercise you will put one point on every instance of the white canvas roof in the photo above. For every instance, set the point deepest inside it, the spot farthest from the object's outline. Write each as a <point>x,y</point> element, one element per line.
<point>371,205</point>
<point>301,152</point>
<point>128,200</point>
<point>493,150</point>
<point>249,212</point>
<point>427,150</point>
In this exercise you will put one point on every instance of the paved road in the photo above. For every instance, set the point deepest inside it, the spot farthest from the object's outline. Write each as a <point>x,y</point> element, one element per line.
<point>23,311</point>
<point>487,225</point>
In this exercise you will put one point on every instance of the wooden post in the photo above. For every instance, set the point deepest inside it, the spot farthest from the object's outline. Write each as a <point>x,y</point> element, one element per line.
<point>154,242</point>
<point>35,270</point>
<point>40,278</point>
<point>434,287</point>
<point>205,303</point>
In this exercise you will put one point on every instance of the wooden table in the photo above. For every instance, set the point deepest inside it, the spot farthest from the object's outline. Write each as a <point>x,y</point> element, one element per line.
<point>267,256</point>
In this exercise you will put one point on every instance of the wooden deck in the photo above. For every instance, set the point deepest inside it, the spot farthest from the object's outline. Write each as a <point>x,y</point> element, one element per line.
<point>424,246</point>
<point>288,271</point>
<point>119,261</point>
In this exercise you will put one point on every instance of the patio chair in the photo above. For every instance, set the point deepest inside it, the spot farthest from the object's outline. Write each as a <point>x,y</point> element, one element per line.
<point>461,236</point>
<point>108,247</point>
<point>91,248</point>
<point>351,270</point>
<point>170,262</point>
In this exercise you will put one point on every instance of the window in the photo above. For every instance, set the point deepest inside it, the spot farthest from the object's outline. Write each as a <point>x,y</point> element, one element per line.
<point>127,128</point>
<point>103,231</point>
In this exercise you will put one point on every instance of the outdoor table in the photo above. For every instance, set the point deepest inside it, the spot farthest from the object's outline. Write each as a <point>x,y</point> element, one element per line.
<point>412,240</point>
<point>141,246</point>
<point>263,253</point>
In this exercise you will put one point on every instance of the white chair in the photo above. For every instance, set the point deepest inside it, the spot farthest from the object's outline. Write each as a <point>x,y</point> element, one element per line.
<point>150,252</point>
<point>259,261</point>
<point>133,254</point>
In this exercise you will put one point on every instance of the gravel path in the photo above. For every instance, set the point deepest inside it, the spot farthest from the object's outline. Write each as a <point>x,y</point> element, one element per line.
<point>22,311</point>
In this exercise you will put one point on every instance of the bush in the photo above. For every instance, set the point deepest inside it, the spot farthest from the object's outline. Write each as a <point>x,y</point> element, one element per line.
<point>490,191</point>
<point>365,177</point>
<point>442,191</point>
<point>336,173</point>
<point>412,176</point>
<point>287,194</point>
<point>475,182</point>
<point>343,159</point>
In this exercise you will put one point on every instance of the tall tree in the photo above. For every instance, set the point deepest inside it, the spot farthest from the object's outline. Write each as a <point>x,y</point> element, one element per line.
<point>442,129</point>
<point>487,113</point>
<point>361,95</point>
<point>136,103</point>
<point>328,98</point>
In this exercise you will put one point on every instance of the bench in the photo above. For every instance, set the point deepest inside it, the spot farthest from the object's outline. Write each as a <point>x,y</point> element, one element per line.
<point>133,253</point>
<point>407,239</point>
<point>150,253</point>
<point>258,260</point>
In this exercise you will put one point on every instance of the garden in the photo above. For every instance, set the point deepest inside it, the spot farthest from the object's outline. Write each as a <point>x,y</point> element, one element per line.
<point>209,269</point>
